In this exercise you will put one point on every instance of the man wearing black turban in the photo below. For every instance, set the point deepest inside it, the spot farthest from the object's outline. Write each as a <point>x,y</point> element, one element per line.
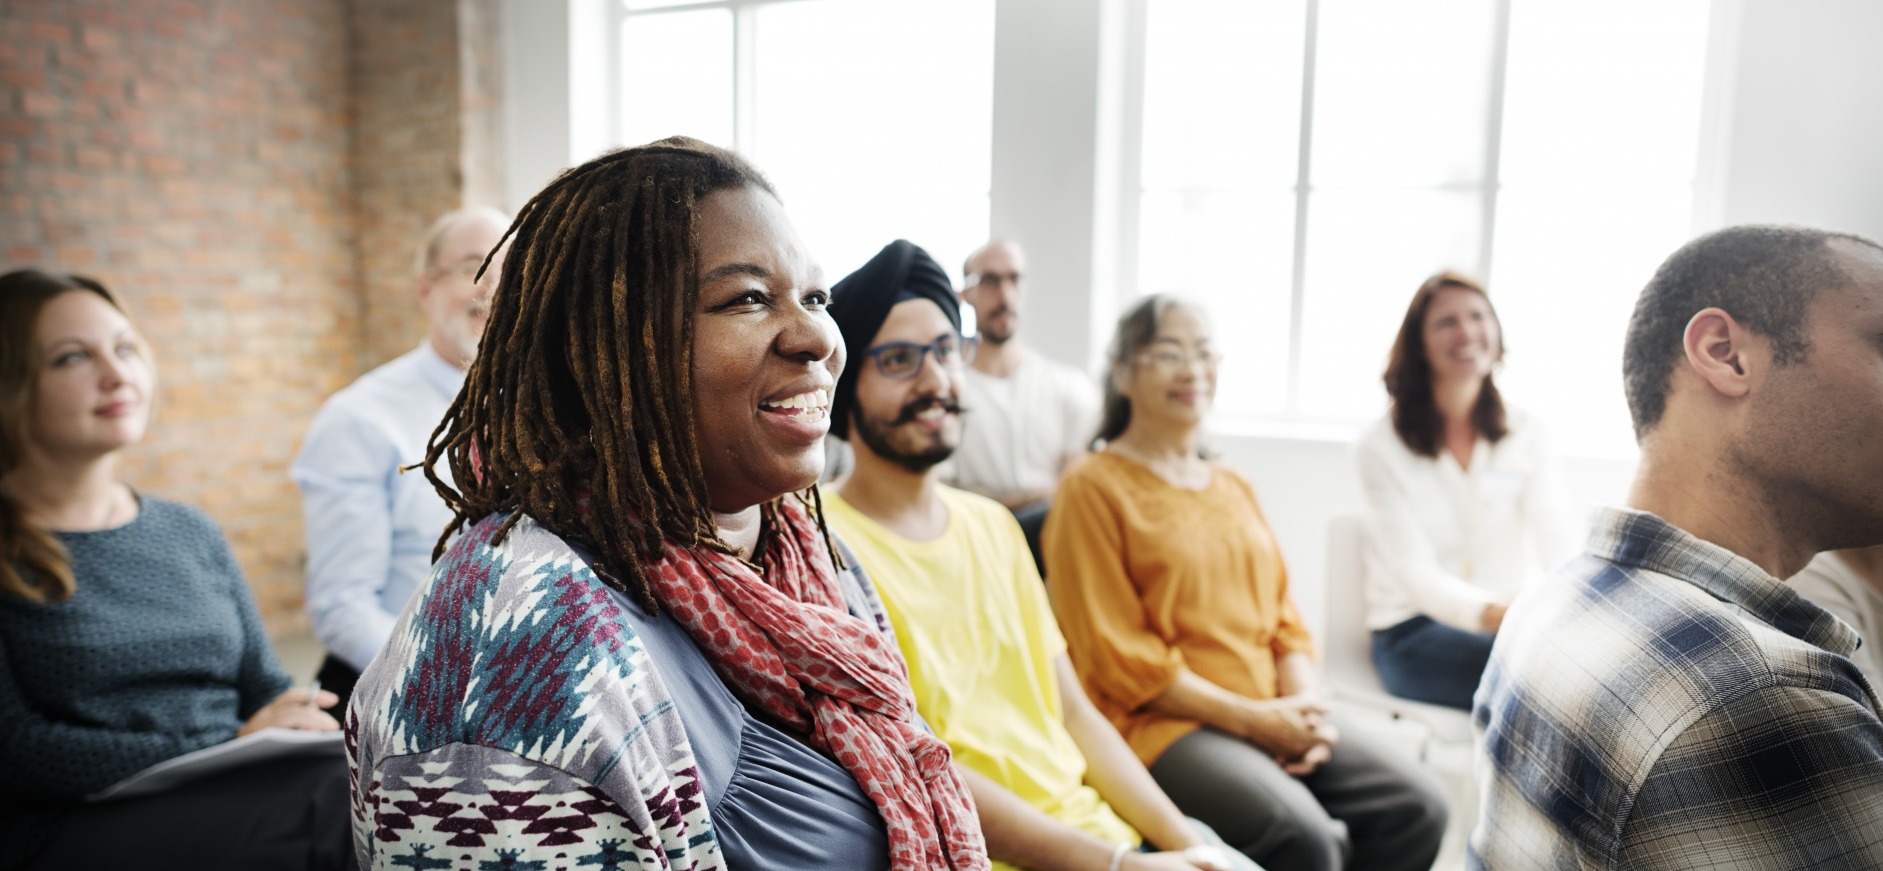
<point>860,303</point>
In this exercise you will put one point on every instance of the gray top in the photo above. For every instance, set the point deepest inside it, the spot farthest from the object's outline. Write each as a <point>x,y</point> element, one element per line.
<point>775,802</point>
<point>159,652</point>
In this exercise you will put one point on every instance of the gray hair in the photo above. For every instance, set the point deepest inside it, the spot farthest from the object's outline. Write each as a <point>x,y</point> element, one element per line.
<point>427,252</point>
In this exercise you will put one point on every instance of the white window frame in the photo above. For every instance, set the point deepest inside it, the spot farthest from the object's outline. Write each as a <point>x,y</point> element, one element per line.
<point>1130,189</point>
<point>744,73</point>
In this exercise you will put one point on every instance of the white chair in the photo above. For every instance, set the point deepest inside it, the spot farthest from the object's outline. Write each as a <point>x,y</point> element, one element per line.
<point>1348,646</point>
<point>1440,736</point>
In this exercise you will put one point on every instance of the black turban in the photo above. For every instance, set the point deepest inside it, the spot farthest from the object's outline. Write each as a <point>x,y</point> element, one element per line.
<point>862,300</point>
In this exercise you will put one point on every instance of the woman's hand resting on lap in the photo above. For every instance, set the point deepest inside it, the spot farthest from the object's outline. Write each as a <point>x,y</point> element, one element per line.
<point>1285,727</point>
<point>290,710</point>
<point>1294,730</point>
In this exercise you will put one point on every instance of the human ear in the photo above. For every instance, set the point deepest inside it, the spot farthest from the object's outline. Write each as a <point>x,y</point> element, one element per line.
<point>1716,347</point>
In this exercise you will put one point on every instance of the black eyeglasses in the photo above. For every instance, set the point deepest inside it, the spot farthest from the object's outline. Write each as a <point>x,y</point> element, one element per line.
<point>903,360</point>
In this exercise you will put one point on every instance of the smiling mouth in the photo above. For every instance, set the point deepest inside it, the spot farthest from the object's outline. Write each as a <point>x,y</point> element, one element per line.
<point>810,406</point>
<point>926,411</point>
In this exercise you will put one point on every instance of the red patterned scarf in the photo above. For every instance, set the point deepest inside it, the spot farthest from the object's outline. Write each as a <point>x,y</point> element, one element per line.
<point>785,643</point>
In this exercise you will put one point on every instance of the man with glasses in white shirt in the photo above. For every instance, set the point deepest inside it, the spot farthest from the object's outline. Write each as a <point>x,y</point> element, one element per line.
<point>1030,416</point>
<point>370,527</point>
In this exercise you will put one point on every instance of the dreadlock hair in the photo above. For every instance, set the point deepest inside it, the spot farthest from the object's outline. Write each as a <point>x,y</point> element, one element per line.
<point>577,410</point>
<point>1408,376</point>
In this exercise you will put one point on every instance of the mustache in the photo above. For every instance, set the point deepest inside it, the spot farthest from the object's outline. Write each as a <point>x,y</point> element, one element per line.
<point>918,406</point>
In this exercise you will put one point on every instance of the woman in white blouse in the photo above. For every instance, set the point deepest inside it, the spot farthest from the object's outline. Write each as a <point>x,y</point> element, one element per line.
<point>1463,496</point>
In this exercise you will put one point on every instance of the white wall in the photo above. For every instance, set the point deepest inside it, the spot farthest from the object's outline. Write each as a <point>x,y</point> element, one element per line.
<point>536,81</point>
<point>1806,142</point>
<point>1794,132</point>
<point>1305,482</point>
<point>555,60</point>
<point>1047,75</point>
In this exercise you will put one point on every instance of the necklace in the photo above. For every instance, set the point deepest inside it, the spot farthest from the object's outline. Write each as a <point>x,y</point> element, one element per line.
<point>1182,472</point>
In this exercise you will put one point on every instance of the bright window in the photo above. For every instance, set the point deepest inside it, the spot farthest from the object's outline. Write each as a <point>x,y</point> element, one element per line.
<point>1305,165</point>
<point>872,119</point>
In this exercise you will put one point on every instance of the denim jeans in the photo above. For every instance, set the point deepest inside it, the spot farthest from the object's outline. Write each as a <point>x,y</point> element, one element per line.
<point>1426,661</point>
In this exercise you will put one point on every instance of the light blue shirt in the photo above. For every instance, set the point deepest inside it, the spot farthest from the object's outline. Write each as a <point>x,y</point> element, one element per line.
<point>371,528</point>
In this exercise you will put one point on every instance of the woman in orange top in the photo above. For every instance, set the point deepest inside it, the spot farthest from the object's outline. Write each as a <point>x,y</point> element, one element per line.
<point>1174,602</point>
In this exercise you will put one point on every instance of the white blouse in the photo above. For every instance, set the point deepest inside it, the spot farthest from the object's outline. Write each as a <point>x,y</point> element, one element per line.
<point>1446,541</point>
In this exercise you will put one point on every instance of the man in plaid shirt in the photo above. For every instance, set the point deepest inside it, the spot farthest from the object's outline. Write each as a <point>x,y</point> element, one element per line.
<point>1664,700</point>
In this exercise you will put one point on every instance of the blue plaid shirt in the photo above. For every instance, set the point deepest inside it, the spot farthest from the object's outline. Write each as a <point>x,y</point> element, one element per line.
<point>1663,703</point>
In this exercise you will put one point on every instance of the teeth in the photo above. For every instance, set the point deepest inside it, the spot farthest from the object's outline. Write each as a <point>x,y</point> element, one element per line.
<point>814,404</point>
<point>933,412</point>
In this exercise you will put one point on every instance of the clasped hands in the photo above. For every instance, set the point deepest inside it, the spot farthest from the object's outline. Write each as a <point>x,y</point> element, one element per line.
<point>1293,729</point>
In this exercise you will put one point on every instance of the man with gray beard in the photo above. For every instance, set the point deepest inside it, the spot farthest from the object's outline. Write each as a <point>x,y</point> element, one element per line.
<point>371,529</point>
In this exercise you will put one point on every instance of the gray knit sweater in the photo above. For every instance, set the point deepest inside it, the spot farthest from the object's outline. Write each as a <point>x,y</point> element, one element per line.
<point>158,653</point>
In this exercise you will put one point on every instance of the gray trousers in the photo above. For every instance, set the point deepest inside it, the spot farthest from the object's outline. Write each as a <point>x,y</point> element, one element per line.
<point>1367,808</point>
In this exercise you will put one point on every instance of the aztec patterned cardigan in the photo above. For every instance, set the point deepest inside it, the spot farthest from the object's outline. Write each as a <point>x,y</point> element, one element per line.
<point>514,721</point>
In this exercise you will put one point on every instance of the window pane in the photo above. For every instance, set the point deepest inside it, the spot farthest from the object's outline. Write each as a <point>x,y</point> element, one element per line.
<point>874,120</point>
<point>1367,252</point>
<point>1234,253</point>
<point>1222,93</point>
<point>676,77</point>
<point>1604,91</point>
<point>1401,88</point>
<point>1569,266</point>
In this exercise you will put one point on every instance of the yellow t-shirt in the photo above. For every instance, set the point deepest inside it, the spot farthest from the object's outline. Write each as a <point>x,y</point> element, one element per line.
<point>972,619</point>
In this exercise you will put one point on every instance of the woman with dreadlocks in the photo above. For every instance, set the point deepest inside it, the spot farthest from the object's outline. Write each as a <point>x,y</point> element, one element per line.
<point>641,648</point>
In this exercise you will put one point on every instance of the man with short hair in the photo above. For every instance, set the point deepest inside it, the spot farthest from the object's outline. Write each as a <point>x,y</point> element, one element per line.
<point>1031,416</point>
<point>1056,786</point>
<point>370,527</point>
<point>1665,701</point>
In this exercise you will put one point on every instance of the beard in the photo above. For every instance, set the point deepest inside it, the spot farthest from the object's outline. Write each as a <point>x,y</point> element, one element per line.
<point>997,335</point>
<point>879,436</point>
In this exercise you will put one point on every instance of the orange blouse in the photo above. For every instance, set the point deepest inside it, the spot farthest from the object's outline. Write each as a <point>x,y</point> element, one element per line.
<point>1148,579</point>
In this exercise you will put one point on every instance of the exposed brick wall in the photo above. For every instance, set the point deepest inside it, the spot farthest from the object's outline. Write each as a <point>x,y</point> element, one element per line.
<point>194,157</point>
<point>249,176</point>
<point>407,153</point>
<point>480,90</point>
